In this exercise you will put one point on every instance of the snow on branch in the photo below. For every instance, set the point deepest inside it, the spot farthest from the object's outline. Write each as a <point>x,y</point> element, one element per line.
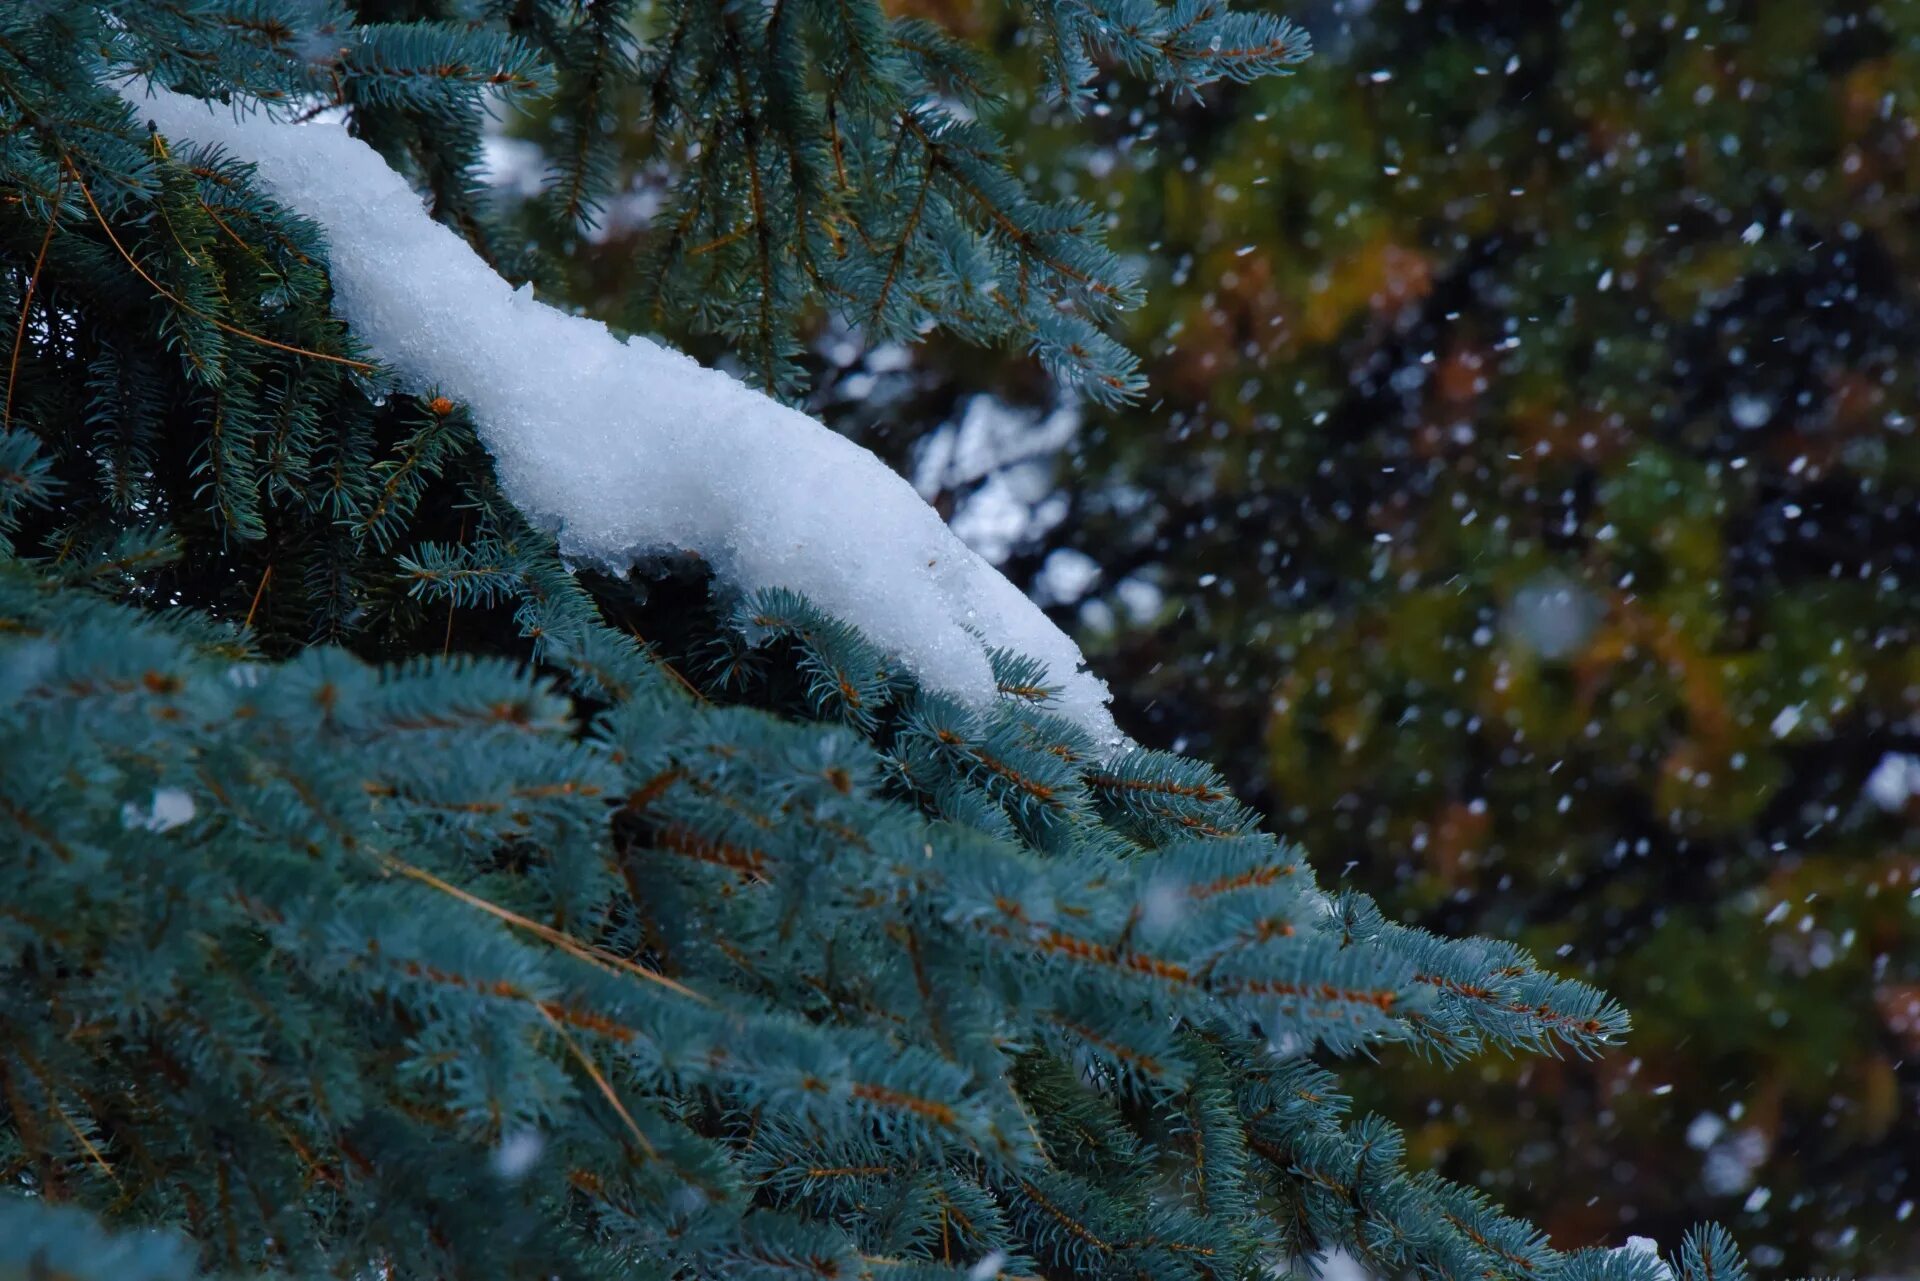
<point>626,449</point>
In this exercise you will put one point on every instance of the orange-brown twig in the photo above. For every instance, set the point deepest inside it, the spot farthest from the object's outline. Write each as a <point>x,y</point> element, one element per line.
<point>565,942</point>
<point>600,1080</point>
<point>258,592</point>
<point>26,303</point>
<point>215,321</point>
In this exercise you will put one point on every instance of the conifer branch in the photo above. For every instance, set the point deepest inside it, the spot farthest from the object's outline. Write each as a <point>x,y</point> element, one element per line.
<point>359,365</point>
<point>573,947</point>
<point>26,303</point>
<point>304,952</point>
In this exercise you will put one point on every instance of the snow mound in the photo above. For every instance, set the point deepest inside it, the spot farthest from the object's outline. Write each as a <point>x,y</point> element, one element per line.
<point>625,448</point>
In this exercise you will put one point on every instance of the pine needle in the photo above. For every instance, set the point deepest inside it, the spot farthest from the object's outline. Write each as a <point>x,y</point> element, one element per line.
<point>364,367</point>
<point>258,592</point>
<point>85,1142</point>
<point>599,1079</point>
<point>446,643</point>
<point>671,670</point>
<point>26,303</point>
<point>566,942</point>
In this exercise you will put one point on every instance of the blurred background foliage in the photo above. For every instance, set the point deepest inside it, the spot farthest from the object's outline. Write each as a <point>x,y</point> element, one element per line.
<point>1525,514</point>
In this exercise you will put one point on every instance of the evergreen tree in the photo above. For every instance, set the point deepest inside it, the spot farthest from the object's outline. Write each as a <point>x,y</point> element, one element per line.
<point>329,952</point>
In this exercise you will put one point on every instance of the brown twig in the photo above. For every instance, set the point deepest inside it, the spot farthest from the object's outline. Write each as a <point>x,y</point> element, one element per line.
<point>565,942</point>
<point>258,592</point>
<point>26,303</point>
<point>215,321</point>
<point>600,1080</point>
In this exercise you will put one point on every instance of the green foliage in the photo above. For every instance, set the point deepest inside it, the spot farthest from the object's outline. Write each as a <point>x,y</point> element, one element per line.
<point>815,154</point>
<point>293,948</point>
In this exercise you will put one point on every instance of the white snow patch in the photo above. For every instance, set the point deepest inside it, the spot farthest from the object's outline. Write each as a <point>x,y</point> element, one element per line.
<point>632,209</point>
<point>988,1267</point>
<point>1733,1161</point>
<point>171,808</point>
<point>1141,598</point>
<point>990,436</point>
<point>1895,779</point>
<point>1338,1265</point>
<point>890,358</point>
<point>1704,1129</point>
<point>1649,1247</point>
<point>1009,508</point>
<point>1066,576</point>
<point>628,449</point>
<point>1750,412</point>
<point>512,165</point>
<point>1004,458</point>
<point>517,1154</point>
<point>1553,615</point>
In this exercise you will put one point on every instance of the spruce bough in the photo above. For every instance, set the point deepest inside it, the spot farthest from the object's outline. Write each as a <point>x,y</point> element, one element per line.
<point>327,953</point>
